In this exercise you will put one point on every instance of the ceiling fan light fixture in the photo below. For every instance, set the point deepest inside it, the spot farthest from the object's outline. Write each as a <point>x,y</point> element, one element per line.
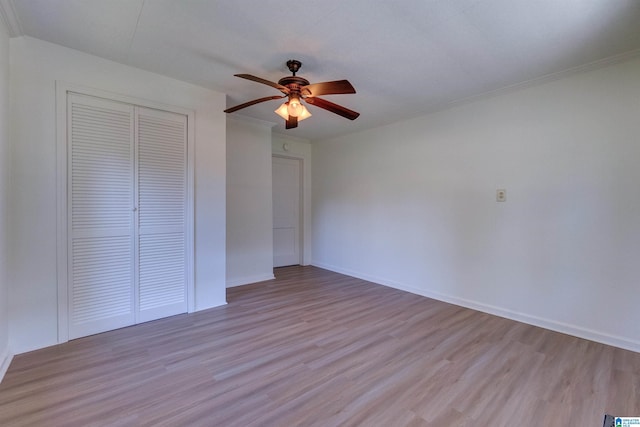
<point>283,111</point>
<point>304,113</point>
<point>294,107</point>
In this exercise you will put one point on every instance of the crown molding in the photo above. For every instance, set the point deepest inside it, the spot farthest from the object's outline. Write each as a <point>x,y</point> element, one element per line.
<point>10,18</point>
<point>246,120</point>
<point>591,66</point>
<point>290,138</point>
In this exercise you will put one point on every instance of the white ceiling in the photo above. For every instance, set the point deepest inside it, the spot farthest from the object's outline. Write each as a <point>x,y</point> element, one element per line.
<point>404,57</point>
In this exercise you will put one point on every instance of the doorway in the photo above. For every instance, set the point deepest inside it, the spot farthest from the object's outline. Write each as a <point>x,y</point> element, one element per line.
<point>287,211</point>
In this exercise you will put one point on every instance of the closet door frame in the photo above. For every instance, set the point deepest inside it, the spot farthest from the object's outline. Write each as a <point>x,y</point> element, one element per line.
<point>62,191</point>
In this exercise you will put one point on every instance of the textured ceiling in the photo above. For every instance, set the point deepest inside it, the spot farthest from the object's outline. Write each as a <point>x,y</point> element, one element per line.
<point>405,57</point>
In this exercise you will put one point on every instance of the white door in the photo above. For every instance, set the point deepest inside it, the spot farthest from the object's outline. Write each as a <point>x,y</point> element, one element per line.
<point>101,216</point>
<point>286,211</point>
<point>161,160</point>
<point>127,214</point>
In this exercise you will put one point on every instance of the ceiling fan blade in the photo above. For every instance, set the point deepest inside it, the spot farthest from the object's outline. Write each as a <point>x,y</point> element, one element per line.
<point>281,88</point>
<point>334,108</point>
<point>291,123</point>
<point>250,103</point>
<point>328,88</point>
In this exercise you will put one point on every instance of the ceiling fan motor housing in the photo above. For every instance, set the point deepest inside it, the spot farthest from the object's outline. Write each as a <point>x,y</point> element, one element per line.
<point>294,84</point>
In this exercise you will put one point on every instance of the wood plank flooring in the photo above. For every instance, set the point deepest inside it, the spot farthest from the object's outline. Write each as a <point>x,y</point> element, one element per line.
<point>316,348</point>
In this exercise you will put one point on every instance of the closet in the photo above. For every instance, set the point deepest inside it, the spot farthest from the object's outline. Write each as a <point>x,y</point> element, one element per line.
<point>127,233</point>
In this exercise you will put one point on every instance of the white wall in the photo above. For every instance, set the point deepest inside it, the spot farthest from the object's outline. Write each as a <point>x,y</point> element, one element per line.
<point>412,205</point>
<point>299,148</point>
<point>249,201</point>
<point>35,67</point>
<point>4,191</point>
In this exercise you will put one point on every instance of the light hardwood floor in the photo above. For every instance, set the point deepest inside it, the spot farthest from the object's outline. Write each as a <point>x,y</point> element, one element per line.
<point>318,348</point>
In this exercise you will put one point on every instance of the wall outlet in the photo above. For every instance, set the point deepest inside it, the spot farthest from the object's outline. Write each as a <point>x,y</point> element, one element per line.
<point>501,195</point>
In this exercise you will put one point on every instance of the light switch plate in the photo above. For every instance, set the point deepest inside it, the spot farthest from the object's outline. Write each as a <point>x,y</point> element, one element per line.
<point>501,195</point>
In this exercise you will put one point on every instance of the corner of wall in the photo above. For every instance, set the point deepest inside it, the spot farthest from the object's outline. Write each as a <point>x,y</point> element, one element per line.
<point>249,222</point>
<point>5,356</point>
<point>5,361</point>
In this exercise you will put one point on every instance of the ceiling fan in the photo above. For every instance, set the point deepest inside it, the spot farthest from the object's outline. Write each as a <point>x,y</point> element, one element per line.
<point>297,89</point>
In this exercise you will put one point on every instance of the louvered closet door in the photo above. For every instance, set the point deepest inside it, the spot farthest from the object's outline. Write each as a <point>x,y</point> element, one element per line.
<point>162,192</point>
<point>101,219</point>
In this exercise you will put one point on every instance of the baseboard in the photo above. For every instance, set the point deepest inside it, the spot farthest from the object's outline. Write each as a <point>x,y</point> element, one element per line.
<point>249,279</point>
<point>553,325</point>
<point>5,361</point>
